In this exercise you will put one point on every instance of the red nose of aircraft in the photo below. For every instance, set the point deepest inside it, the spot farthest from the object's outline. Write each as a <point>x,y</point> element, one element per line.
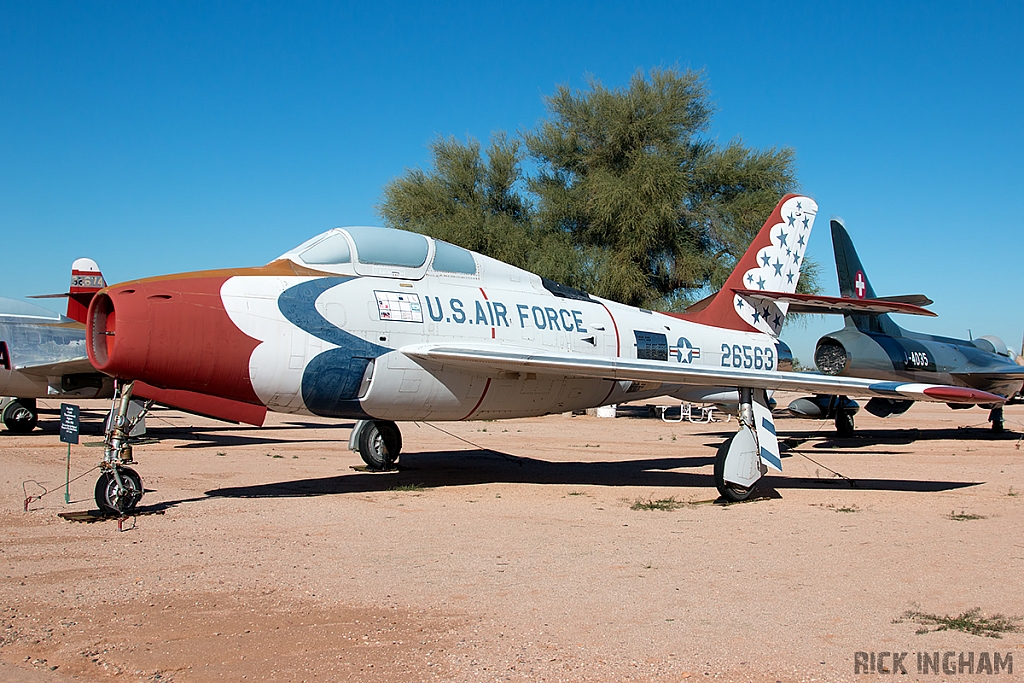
<point>172,333</point>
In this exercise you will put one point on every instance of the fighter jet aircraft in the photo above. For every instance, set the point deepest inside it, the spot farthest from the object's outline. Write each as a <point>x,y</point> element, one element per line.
<point>43,353</point>
<point>382,325</point>
<point>872,345</point>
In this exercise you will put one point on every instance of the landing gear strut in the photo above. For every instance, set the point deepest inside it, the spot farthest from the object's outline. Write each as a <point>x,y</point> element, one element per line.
<point>20,415</point>
<point>119,488</point>
<point>379,443</point>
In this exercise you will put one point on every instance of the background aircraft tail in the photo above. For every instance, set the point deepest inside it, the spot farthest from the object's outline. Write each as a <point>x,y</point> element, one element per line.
<point>770,265</point>
<point>86,280</point>
<point>854,283</point>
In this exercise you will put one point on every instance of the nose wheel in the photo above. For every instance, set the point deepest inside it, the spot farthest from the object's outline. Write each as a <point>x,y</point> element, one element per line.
<point>119,488</point>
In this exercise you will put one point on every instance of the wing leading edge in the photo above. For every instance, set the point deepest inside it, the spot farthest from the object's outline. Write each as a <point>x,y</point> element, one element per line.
<point>518,360</point>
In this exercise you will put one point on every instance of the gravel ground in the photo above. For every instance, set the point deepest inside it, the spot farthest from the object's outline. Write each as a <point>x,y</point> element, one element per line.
<point>264,554</point>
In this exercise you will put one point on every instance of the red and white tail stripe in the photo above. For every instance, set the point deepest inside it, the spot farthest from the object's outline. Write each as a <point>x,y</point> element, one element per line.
<point>771,264</point>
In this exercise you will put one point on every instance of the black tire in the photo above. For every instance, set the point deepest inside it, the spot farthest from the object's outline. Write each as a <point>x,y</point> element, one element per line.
<point>995,416</point>
<point>20,416</point>
<point>844,424</point>
<point>380,444</point>
<point>734,493</point>
<point>106,492</point>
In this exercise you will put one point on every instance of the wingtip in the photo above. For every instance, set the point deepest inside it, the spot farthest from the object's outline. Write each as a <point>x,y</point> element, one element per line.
<point>950,394</point>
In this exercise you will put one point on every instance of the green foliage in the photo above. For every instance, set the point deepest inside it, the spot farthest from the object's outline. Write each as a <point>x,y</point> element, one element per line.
<point>970,621</point>
<point>477,203</point>
<point>664,504</point>
<point>964,516</point>
<point>629,199</point>
<point>415,488</point>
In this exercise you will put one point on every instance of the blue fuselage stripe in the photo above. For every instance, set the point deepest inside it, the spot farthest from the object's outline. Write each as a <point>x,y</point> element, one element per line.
<point>331,379</point>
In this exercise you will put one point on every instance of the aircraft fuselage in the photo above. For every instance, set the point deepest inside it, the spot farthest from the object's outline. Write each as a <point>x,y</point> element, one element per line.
<point>915,357</point>
<point>340,334</point>
<point>26,344</point>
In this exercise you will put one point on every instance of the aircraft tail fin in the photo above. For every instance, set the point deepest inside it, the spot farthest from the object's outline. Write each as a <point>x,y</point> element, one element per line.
<point>86,280</point>
<point>854,283</point>
<point>771,265</point>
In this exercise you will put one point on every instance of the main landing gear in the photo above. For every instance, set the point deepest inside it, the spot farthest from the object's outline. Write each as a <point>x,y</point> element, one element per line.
<point>844,424</point>
<point>738,465</point>
<point>379,443</point>
<point>995,416</point>
<point>20,415</point>
<point>119,488</point>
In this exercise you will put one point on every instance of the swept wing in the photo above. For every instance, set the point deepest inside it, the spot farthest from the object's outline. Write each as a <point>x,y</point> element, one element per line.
<point>522,359</point>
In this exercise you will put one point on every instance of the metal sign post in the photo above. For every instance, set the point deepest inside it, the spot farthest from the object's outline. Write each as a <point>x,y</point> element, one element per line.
<point>68,434</point>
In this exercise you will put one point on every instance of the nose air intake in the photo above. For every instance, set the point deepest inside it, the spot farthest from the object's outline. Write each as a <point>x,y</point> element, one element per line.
<point>102,326</point>
<point>831,356</point>
<point>171,333</point>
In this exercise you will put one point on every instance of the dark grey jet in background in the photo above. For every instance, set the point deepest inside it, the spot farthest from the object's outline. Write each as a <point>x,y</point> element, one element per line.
<point>872,345</point>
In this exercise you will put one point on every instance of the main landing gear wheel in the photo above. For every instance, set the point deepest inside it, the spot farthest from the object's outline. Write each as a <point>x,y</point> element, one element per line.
<point>380,443</point>
<point>118,498</point>
<point>995,416</point>
<point>844,424</point>
<point>734,493</point>
<point>20,416</point>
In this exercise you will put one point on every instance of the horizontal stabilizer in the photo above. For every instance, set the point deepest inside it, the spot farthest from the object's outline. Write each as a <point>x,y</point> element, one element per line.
<point>814,303</point>
<point>86,280</point>
<point>916,299</point>
<point>510,359</point>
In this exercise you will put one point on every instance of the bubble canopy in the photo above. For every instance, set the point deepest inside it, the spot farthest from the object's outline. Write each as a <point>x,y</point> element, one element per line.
<point>382,247</point>
<point>389,247</point>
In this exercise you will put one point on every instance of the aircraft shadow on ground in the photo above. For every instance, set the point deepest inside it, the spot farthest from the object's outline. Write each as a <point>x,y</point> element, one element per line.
<point>208,437</point>
<point>444,468</point>
<point>866,438</point>
<point>92,424</point>
<point>215,436</point>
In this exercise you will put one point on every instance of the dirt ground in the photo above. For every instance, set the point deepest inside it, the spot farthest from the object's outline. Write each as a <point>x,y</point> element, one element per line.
<point>262,554</point>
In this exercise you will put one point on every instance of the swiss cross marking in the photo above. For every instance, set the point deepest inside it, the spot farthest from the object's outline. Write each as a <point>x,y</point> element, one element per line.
<point>859,284</point>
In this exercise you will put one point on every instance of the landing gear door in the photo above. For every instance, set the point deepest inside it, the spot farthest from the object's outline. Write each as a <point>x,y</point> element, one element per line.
<point>135,408</point>
<point>766,437</point>
<point>742,466</point>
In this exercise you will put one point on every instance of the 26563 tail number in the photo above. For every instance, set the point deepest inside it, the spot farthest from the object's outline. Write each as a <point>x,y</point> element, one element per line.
<point>748,357</point>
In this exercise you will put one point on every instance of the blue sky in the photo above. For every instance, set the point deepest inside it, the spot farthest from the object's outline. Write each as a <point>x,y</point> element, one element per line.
<point>163,137</point>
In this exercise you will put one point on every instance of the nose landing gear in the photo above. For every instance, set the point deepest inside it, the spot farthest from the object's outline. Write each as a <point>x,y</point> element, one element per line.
<point>119,488</point>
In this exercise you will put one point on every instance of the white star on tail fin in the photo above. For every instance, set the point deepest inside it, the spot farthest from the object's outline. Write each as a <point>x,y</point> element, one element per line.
<point>771,264</point>
<point>780,253</point>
